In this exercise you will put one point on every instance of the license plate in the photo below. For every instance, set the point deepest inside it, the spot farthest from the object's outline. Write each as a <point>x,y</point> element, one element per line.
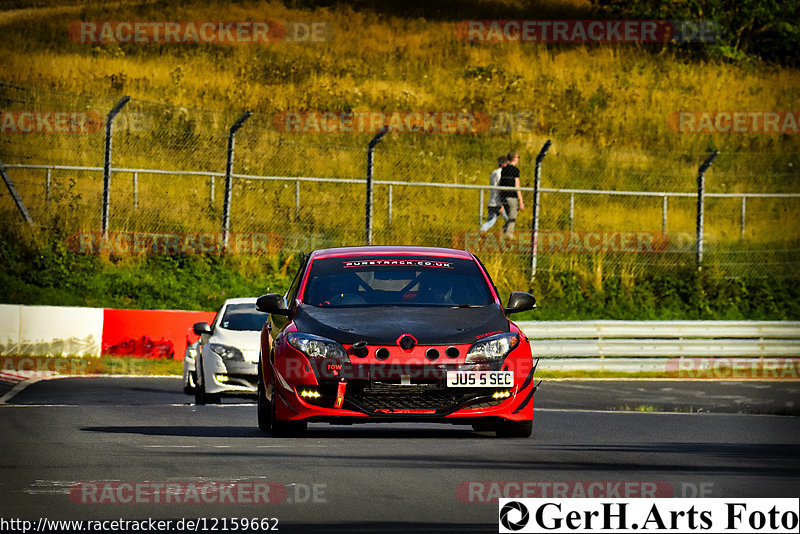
<point>478,379</point>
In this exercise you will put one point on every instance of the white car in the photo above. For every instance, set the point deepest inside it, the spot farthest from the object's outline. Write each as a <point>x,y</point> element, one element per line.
<point>227,358</point>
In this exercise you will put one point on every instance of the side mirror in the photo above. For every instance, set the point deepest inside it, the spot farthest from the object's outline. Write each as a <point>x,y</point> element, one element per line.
<point>201,328</point>
<point>520,301</point>
<point>272,303</point>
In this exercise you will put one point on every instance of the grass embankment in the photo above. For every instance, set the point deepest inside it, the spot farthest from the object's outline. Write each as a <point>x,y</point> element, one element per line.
<point>42,366</point>
<point>44,271</point>
<point>605,106</point>
<point>600,95</point>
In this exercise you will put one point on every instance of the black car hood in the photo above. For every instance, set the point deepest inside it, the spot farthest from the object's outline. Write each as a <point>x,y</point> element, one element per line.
<point>384,325</point>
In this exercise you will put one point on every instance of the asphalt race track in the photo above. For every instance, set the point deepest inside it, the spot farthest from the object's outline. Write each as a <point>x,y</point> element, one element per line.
<point>109,431</point>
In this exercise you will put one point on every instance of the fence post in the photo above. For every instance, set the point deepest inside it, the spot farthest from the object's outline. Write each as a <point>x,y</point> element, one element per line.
<point>370,166</point>
<point>390,205</point>
<point>537,177</point>
<point>47,188</point>
<point>664,215</point>
<point>480,210</point>
<point>226,208</point>
<point>13,190</point>
<point>297,200</point>
<point>571,212</point>
<point>107,161</point>
<point>211,192</point>
<point>701,186</point>
<point>744,210</point>
<point>135,191</point>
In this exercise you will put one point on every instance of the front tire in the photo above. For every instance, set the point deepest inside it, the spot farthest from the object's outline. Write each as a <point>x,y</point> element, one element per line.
<point>514,429</point>
<point>264,407</point>
<point>191,383</point>
<point>282,429</point>
<point>483,426</point>
<point>200,395</point>
<point>289,429</point>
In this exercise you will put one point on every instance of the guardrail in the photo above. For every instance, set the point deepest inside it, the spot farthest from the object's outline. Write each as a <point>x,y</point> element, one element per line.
<point>664,339</point>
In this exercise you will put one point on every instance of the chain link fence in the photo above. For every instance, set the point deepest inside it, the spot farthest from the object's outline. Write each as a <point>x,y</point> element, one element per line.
<point>609,212</point>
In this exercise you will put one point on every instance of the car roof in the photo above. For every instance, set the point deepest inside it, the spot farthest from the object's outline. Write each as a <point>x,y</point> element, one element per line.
<point>438,252</point>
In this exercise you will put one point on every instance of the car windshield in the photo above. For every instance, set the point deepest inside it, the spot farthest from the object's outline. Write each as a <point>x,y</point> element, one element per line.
<point>396,281</point>
<point>242,317</point>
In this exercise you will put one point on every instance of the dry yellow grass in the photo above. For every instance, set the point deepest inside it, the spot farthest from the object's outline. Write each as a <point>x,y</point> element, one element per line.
<point>604,106</point>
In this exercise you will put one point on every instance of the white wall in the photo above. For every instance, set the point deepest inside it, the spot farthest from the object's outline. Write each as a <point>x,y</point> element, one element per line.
<point>50,330</point>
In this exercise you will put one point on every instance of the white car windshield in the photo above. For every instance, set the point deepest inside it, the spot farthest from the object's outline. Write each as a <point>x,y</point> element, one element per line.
<point>242,317</point>
<point>396,281</point>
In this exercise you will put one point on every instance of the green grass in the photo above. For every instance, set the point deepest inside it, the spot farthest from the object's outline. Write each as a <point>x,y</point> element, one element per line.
<point>40,269</point>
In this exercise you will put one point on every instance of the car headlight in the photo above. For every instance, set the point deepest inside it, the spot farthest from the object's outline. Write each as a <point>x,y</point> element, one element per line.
<point>318,347</point>
<point>493,348</point>
<point>226,352</point>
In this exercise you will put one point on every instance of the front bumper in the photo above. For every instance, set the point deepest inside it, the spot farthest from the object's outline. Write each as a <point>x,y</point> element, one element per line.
<point>362,401</point>
<point>232,376</point>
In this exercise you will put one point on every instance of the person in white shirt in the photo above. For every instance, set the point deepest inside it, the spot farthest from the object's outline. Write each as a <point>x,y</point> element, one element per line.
<point>495,207</point>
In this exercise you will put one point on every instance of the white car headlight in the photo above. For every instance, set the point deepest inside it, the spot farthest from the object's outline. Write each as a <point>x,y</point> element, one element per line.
<point>318,347</point>
<point>226,352</point>
<point>493,348</point>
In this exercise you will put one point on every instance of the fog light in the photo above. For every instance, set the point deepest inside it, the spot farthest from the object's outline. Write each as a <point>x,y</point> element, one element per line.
<point>221,378</point>
<point>310,393</point>
<point>501,394</point>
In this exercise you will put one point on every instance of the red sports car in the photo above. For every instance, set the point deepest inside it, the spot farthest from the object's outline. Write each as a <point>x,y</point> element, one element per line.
<point>377,334</point>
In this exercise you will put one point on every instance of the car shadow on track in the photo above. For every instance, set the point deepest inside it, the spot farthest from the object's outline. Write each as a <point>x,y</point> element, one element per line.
<point>367,431</point>
<point>182,431</point>
<point>341,432</point>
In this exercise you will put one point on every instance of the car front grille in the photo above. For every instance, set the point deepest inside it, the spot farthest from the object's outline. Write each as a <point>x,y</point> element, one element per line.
<point>392,398</point>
